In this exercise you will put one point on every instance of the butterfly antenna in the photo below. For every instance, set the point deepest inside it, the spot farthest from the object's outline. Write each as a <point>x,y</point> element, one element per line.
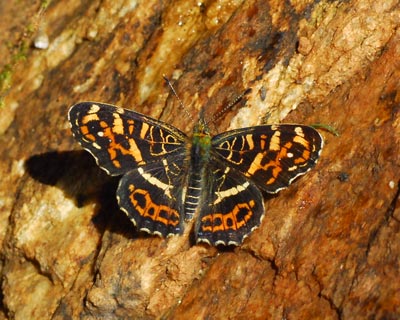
<point>177,97</point>
<point>219,114</point>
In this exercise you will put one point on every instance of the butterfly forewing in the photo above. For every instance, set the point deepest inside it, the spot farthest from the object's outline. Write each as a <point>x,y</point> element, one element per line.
<point>271,155</point>
<point>120,139</point>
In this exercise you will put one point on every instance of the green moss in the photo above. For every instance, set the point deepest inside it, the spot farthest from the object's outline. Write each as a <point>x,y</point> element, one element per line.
<point>326,127</point>
<point>20,50</point>
<point>44,4</point>
<point>5,78</point>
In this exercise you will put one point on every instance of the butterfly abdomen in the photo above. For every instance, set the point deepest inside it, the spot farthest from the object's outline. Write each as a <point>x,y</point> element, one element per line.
<point>193,194</point>
<point>199,157</point>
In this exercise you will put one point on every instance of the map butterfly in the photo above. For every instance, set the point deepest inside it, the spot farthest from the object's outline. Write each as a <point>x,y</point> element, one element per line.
<point>168,178</point>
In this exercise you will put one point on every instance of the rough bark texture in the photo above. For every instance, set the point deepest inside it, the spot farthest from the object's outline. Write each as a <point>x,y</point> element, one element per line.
<point>329,245</point>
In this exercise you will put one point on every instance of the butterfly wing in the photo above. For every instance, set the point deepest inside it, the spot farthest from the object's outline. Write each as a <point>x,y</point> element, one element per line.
<point>243,160</point>
<point>232,207</point>
<point>151,196</point>
<point>272,156</point>
<point>148,153</point>
<point>121,140</point>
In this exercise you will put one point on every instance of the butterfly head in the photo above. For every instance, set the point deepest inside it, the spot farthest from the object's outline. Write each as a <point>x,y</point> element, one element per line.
<point>201,126</point>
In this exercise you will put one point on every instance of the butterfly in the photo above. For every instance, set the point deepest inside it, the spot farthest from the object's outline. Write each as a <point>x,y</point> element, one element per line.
<point>169,179</point>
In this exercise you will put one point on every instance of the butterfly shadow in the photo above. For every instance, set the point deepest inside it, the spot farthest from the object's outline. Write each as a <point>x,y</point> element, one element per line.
<point>78,176</point>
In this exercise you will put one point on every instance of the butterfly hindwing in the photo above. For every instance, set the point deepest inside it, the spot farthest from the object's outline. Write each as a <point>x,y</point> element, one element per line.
<point>151,196</point>
<point>270,155</point>
<point>232,209</point>
<point>120,139</point>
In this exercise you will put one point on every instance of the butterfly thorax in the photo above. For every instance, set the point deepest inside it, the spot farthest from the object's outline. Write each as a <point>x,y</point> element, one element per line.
<point>201,141</point>
<point>199,158</point>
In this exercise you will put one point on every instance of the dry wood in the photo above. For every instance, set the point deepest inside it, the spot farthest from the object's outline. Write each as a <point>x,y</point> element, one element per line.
<point>328,247</point>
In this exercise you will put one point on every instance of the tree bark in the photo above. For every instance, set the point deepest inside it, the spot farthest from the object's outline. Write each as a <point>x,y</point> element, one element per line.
<point>329,245</point>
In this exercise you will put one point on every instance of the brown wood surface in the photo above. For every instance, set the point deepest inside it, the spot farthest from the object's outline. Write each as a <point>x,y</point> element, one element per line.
<point>328,247</point>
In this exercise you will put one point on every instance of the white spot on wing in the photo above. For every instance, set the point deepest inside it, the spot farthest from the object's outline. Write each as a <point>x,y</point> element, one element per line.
<point>95,145</point>
<point>156,182</point>
<point>94,108</point>
<point>230,192</point>
<point>299,131</point>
